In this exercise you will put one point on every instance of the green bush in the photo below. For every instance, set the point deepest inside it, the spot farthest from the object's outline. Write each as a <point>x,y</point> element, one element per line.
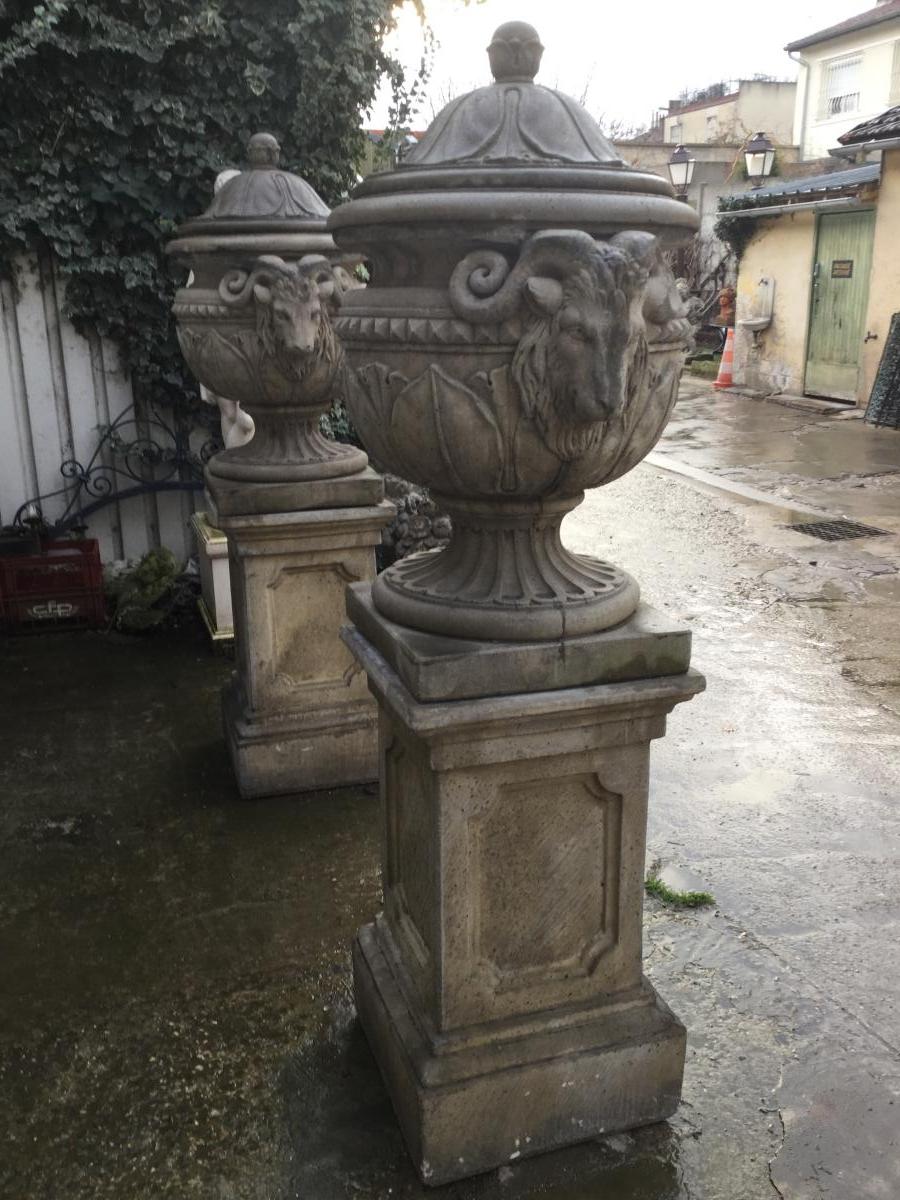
<point>144,595</point>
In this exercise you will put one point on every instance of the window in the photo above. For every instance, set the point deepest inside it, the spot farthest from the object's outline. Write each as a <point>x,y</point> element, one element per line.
<point>712,127</point>
<point>676,132</point>
<point>840,87</point>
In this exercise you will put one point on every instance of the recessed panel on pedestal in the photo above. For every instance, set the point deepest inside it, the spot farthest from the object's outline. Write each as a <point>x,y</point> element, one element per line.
<point>410,867</point>
<point>304,599</point>
<point>567,835</point>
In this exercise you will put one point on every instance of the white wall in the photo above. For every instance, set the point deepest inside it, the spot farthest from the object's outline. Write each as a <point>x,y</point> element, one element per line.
<point>758,104</point>
<point>817,136</point>
<point>56,389</point>
<point>767,106</point>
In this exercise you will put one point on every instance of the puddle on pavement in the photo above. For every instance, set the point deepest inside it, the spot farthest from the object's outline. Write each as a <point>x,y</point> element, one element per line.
<point>680,879</point>
<point>884,587</point>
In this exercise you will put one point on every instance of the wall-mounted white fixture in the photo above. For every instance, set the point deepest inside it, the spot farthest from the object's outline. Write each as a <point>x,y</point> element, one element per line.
<point>762,309</point>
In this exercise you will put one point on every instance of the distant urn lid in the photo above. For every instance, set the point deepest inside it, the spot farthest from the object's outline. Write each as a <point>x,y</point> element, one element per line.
<point>261,202</point>
<point>515,150</point>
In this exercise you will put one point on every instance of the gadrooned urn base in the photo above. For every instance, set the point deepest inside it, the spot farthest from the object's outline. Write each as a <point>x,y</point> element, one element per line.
<point>287,453</point>
<point>506,576</point>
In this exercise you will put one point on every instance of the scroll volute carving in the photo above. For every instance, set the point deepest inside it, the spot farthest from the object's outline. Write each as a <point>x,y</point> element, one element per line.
<point>590,308</point>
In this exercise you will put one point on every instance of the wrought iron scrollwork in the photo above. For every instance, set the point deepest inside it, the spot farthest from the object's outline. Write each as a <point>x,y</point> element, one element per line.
<point>136,454</point>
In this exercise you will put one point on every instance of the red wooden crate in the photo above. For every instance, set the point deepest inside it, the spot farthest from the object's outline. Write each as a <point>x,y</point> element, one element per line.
<point>63,585</point>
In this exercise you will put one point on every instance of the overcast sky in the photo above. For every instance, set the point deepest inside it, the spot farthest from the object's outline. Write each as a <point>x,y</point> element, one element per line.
<point>629,56</point>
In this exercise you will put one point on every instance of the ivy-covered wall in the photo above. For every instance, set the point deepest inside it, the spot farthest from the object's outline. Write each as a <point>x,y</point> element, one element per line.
<point>116,116</point>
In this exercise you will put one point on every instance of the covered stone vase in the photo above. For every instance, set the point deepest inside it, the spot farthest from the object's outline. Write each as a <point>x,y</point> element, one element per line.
<point>254,319</point>
<point>521,339</point>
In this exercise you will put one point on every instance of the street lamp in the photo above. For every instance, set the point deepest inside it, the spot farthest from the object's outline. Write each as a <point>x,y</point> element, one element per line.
<point>759,155</point>
<point>681,170</point>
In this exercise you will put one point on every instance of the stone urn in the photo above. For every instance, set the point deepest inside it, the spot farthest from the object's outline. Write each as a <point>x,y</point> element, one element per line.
<point>521,339</point>
<point>254,320</point>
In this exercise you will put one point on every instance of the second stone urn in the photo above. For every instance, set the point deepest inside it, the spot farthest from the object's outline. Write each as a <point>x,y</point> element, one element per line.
<point>254,323</point>
<point>302,513</point>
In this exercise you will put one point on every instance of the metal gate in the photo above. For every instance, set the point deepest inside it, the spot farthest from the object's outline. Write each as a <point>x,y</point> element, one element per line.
<point>840,293</point>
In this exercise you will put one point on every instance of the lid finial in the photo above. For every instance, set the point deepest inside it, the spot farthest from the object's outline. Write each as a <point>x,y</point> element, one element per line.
<point>515,52</point>
<point>263,150</point>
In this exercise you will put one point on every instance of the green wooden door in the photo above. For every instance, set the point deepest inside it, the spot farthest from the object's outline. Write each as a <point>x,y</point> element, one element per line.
<point>840,292</point>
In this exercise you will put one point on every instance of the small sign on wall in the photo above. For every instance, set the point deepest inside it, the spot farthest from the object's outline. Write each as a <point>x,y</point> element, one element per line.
<point>842,268</point>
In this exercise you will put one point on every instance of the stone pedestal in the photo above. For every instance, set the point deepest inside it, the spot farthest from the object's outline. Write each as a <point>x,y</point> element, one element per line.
<point>297,713</point>
<point>501,988</point>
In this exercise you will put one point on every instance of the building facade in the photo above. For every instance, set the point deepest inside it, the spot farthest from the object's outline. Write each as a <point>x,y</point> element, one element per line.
<point>730,112</point>
<point>819,279</point>
<point>849,73</point>
<point>718,172</point>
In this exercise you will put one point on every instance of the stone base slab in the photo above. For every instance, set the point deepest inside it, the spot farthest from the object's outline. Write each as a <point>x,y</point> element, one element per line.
<point>284,753</point>
<point>646,646</point>
<point>233,498</point>
<point>493,1101</point>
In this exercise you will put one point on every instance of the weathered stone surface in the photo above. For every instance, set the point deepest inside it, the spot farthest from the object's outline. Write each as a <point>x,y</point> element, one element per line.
<point>647,645</point>
<point>233,498</point>
<point>288,750</point>
<point>482,1105</point>
<point>302,512</point>
<point>254,320</point>
<point>297,716</point>
<point>501,988</point>
<point>521,341</point>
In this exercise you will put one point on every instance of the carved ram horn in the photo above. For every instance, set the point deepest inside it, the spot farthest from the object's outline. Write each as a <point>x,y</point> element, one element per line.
<point>662,301</point>
<point>484,288</point>
<point>320,271</point>
<point>237,287</point>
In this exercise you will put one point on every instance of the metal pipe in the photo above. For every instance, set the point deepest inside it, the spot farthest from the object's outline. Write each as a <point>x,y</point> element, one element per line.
<point>807,80</point>
<point>853,150</point>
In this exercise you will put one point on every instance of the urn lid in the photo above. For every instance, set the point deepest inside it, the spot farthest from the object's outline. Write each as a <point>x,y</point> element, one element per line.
<point>259,207</point>
<point>516,151</point>
<point>514,120</point>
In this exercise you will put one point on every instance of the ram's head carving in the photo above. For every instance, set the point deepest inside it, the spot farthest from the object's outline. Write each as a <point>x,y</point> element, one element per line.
<point>583,352</point>
<point>291,302</point>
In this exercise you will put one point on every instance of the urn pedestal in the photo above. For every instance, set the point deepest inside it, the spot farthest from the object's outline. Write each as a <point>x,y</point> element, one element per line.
<point>501,987</point>
<point>297,714</point>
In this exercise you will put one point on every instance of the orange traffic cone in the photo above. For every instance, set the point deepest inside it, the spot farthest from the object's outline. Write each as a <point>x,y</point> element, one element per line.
<point>725,378</point>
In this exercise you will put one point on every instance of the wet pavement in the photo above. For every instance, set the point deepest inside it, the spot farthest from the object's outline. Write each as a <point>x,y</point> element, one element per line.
<point>175,1008</point>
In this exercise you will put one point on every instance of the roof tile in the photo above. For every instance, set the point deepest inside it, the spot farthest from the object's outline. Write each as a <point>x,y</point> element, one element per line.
<point>886,125</point>
<point>872,16</point>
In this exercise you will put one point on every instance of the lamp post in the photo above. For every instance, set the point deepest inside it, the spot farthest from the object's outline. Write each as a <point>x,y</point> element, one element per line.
<point>759,155</point>
<point>681,171</point>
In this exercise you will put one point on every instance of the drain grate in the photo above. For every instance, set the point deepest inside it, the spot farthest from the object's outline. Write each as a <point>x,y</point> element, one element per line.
<point>838,531</point>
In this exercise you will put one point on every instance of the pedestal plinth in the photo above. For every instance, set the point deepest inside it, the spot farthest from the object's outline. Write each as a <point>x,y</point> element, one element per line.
<point>501,988</point>
<point>297,713</point>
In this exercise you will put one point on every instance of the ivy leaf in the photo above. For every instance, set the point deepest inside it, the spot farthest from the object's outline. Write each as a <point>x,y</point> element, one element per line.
<point>117,115</point>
